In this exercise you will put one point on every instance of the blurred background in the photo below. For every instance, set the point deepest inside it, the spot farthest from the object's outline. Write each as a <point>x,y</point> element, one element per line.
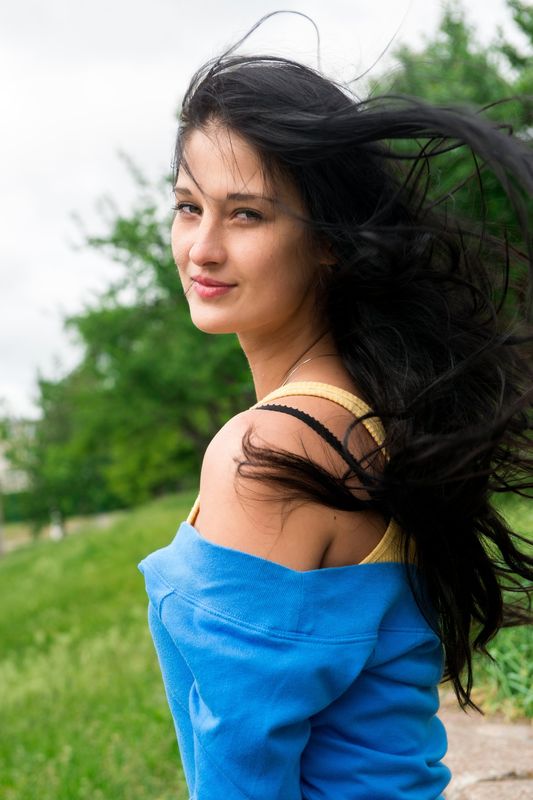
<point>108,395</point>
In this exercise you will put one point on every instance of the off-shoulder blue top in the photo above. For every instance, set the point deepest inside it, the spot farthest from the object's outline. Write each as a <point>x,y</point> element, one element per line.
<point>289,685</point>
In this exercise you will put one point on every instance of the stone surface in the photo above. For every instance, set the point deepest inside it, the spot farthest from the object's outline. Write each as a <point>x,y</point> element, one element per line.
<point>490,759</point>
<point>500,790</point>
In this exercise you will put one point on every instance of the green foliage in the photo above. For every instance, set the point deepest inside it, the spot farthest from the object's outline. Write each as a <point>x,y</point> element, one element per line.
<point>133,418</point>
<point>16,505</point>
<point>519,60</point>
<point>453,68</point>
<point>505,684</point>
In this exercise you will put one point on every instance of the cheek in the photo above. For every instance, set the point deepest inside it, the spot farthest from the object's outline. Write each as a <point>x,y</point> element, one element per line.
<point>297,259</point>
<point>176,242</point>
<point>179,248</point>
<point>288,257</point>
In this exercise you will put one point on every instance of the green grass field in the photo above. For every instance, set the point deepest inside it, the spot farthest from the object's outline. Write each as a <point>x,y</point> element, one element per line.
<point>82,707</point>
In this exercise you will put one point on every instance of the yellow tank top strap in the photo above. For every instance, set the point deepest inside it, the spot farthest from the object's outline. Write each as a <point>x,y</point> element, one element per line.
<point>344,398</point>
<point>389,546</point>
<point>193,513</point>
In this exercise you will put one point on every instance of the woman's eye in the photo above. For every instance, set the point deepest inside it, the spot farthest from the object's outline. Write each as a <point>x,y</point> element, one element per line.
<point>185,208</point>
<point>248,214</point>
<point>189,209</point>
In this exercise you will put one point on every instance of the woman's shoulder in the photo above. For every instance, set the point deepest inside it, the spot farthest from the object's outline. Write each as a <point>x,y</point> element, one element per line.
<point>251,515</point>
<point>246,514</point>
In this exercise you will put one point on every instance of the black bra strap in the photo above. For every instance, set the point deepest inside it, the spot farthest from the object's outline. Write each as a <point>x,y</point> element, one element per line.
<point>312,422</point>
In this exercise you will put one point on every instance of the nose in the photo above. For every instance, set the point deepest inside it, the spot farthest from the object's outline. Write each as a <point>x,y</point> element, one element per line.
<point>208,247</point>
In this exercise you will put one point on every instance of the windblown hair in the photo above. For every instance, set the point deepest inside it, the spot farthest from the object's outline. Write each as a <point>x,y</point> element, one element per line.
<point>430,314</point>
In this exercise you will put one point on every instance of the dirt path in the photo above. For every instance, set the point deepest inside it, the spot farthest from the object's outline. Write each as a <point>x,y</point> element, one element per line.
<point>490,759</point>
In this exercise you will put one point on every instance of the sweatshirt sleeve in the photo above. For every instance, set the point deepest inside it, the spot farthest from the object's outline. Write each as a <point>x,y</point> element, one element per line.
<point>251,698</point>
<point>244,671</point>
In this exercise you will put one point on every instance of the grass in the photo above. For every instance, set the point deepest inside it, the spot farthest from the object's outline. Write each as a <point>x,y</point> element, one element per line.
<point>505,685</point>
<point>83,712</point>
<point>82,707</point>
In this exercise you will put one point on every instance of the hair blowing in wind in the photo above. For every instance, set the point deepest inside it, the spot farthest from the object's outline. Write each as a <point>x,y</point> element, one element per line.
<point>430,312</point>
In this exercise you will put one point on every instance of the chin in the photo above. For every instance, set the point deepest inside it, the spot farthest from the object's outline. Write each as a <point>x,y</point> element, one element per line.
<point>212,325</point>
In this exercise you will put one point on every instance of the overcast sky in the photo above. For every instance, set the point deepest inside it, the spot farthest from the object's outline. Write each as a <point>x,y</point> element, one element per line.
<point>81,81</point>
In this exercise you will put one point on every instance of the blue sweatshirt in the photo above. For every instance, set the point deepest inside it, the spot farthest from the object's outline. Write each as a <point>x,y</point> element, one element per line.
<point>289,685</point>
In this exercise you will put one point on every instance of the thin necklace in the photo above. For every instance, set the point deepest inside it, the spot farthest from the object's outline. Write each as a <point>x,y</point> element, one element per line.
<point>299,363</point>
<point>322,355</point>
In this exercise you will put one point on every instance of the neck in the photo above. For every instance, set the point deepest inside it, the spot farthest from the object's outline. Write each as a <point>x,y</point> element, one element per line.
<point>272,357</point>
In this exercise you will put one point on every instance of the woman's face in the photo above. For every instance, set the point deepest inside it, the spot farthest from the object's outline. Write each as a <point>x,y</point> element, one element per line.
<point>227,229</point>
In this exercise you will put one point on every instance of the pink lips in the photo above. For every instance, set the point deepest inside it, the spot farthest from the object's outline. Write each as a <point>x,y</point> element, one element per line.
<point>210,281</point>
<point>206,287</point>
<point>211,291</point>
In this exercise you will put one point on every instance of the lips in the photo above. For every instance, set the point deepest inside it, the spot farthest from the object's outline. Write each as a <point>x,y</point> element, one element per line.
<point>210,282</point>
<point>207,292</point>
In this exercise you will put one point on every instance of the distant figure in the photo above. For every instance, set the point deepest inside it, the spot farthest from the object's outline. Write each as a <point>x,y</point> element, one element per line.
<point>57,529</point>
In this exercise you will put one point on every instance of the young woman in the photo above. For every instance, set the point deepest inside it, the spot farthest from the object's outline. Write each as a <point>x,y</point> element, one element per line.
<point>343,553</point>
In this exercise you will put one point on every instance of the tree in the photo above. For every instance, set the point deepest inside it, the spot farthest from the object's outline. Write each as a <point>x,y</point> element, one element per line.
<point>133,418</point>
<point>520,62</point>
<point>454,68</point>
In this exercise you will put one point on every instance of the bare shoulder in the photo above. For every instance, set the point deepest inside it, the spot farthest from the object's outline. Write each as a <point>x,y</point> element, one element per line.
<point>245,514</point>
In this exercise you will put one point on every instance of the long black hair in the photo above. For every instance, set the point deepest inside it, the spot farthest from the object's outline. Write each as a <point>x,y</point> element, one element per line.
<point>431,316</point>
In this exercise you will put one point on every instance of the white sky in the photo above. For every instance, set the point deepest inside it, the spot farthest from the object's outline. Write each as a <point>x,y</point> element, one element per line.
<point>82,80</point>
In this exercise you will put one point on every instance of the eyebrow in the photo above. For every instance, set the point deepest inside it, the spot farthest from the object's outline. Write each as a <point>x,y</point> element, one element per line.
<point>230,196</point>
